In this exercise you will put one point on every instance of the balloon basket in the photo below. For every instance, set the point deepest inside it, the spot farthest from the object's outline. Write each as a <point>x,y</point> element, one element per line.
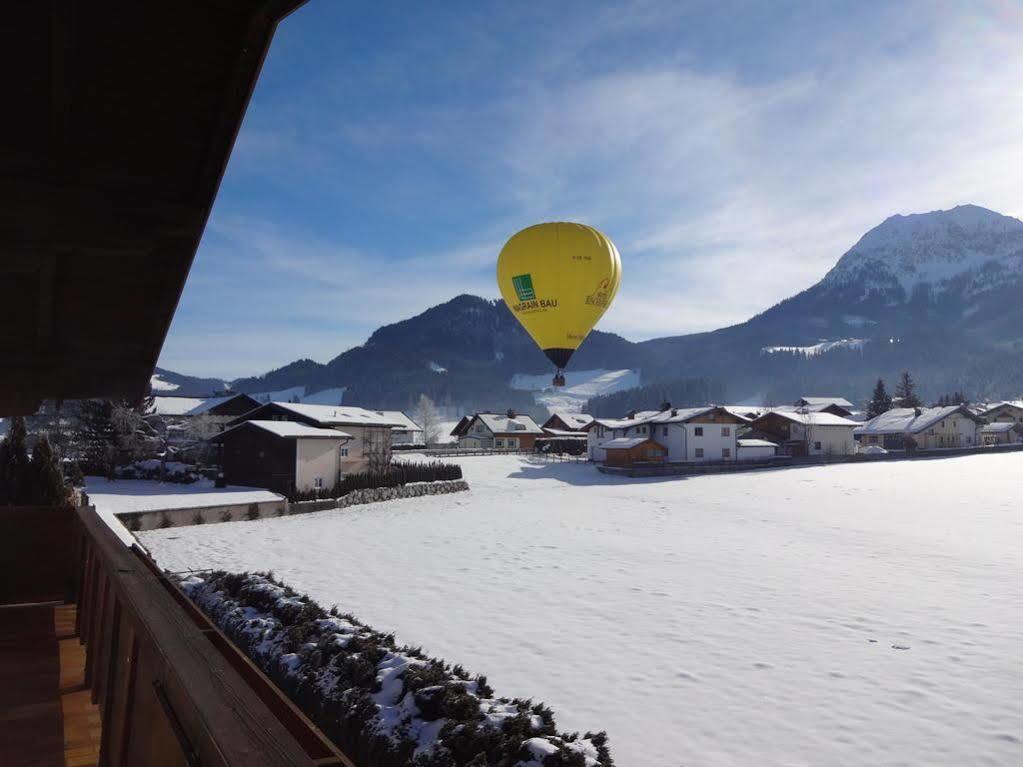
<point>559,379</point>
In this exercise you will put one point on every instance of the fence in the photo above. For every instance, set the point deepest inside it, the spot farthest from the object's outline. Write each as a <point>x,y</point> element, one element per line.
<point>170,688</point>
<point>719,467</point>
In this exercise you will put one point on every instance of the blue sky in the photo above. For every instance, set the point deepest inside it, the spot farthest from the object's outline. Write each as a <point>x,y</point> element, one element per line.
<point>733,151</point>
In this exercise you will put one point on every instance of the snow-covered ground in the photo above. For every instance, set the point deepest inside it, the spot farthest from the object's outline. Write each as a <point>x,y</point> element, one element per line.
<point>843,615</point>
<point>580,385</point>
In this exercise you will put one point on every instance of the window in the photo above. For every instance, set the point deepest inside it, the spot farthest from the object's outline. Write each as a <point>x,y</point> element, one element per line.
<point>653,453</point>
<point>318,483</point>
<point>664,432</point>
<point>344,452</point>
<point>816,445</point>
<point>699,452</point>
<point>512,442</point>
<point>726,452</point>
<point>698,431</point>
<point>726,431</point>
<point>499,443</point>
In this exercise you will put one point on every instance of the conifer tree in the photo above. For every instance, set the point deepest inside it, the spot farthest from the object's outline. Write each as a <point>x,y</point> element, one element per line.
<point>880,401</point>
<point>47,480</point>
<point>14,465</point>
<point>905,391</point>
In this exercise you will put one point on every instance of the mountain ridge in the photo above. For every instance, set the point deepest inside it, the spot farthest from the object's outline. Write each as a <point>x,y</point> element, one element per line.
<point>913,291</point>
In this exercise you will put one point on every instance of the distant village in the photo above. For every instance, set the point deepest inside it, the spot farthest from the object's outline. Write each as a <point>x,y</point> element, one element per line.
<point>299,447</point>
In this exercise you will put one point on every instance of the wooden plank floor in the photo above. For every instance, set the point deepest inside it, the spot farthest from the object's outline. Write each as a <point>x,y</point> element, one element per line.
<point>82,726</point>
<point>46,716</point>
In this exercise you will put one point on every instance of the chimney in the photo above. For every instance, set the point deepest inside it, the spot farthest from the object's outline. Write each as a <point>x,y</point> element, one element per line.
<point>631,414</point>
<point>665,406</point>
<point>916,411</point>
<point>511,413</point>
<point>674,411</point>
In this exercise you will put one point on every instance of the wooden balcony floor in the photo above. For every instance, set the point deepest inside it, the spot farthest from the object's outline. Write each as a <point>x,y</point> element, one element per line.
<point>47,718</point>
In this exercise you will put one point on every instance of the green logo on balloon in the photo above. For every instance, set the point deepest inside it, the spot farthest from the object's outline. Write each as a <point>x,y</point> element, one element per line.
<point>524,287</point>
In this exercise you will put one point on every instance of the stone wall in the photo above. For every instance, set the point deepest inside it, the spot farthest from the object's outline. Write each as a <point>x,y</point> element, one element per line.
<point>377,494</point>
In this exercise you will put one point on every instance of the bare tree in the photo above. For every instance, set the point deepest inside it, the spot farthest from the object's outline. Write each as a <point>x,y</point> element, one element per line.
<point>428,418</point>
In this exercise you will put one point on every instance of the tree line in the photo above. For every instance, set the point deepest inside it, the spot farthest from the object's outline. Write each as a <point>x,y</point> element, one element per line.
<point>32,479</point>
<point>906,396</point>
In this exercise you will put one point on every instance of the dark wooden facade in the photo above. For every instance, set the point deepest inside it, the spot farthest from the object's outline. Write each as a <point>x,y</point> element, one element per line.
<point>254,457</point>
<point>119,118</point>
<point>647,451</point>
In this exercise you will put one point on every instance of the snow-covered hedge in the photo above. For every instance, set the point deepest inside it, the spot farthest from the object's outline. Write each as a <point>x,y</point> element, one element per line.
<point>383,704</point>
<point>163,471</point>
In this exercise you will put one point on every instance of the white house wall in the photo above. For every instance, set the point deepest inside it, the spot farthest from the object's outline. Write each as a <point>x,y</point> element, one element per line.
<point>316,458</point>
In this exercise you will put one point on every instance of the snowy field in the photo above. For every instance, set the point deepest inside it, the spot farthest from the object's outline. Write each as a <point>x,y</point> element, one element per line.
<point>844,615</point>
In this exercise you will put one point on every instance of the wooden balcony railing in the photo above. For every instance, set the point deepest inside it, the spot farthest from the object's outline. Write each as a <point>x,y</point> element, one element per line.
<point>170,688</point>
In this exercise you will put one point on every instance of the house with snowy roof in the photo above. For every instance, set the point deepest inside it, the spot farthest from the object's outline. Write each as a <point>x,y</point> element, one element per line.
<point>932,428</point>
<point>497,431</point>
<point>369,432</point>
<point>835,405</point>
<point>696,434</point>
<point>223,408</point>
<point>804,432</point>
<point>1003,412</point>
<point>284,456</point>
<point>408,432</point>
<point>565,424</point>
<point>1000,433</point>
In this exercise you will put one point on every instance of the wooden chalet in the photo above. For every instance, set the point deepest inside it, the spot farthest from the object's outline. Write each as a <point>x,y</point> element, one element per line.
<point>630,451</point>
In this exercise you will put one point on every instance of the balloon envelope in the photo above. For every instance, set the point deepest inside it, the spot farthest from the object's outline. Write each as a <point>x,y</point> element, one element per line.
<point>558,279</point>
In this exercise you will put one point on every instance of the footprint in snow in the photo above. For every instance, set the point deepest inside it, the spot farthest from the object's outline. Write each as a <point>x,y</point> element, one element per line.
<point>900,647</point>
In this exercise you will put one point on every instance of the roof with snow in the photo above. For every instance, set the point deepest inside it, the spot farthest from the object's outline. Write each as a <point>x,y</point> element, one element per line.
<point>907,420</point>
<point>813,418</point>
<point>625,443</point>
<point>577,421</point>
<point>755,443</point>
<point>825,401</point>
<point>564,433</point>
<point>290,430</point>
<point>502,423</point>
<point>331,414</point>
<point>1017,404</point>
<point>998,427</point>
<point>163,405</point>
<point>402,421</point>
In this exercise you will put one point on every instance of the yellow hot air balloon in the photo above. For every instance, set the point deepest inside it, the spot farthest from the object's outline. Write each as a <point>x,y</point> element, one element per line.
<point>558,279</point>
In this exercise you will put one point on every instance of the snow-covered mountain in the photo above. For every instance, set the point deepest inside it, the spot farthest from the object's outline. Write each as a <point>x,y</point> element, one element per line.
<point>969,250</point>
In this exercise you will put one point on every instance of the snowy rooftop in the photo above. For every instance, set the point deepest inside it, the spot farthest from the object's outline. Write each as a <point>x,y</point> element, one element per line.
<point>907,420</point>
<point>401,420</point>
<point>995,405</point>
<point>825,401</point>
<point>624,443</point>
<point>290,430</point>
<point>352,416</point>
<point>163,405</point>
<point>999,427</point>
<point>575,420</point>
<point>814,418</point>
<point>755,443</point>
<point>501,423</point>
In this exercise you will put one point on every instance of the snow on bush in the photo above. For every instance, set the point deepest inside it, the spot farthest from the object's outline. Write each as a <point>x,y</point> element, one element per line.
<point>162,471</point>
<point>385,705</point>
